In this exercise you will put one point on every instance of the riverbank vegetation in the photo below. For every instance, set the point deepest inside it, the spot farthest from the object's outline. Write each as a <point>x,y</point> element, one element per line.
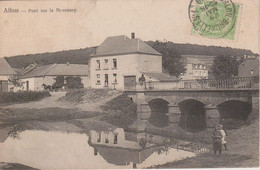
<point>22,96</point>
<point>122,111</point>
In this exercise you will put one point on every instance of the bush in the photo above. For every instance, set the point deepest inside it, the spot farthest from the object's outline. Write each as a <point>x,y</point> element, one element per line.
<point>74,96</point>
<point>22,96</point>
<point>124,110</point>
<point>73,82</point>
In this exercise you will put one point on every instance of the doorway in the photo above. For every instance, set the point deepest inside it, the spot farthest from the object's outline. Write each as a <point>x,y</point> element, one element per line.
<point>106,80</point>
<point>129,82</point>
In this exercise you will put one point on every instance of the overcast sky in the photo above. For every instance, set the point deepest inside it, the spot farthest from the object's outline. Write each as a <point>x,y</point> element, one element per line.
<point>29,33</point>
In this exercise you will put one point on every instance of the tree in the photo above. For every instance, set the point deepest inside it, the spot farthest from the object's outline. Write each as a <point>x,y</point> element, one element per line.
<point>171,60</point>
<point>225,66</point>
<point>15,80</point>
<point>73,82</point>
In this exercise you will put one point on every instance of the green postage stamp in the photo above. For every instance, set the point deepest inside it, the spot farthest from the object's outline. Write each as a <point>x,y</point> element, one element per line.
<point>214,18</point>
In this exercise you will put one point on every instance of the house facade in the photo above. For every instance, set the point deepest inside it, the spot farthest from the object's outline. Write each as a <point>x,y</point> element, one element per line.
<point>197,66</point>
<point>119,62</point>
<point>33,79</point>
<point>5,72</point>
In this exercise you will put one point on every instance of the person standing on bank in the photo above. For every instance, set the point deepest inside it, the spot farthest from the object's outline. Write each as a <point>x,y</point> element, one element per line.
<point>224,134</point>
<point>217,139</point>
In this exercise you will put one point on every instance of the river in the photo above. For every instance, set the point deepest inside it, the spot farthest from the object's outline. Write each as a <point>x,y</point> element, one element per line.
<point>94,150</point>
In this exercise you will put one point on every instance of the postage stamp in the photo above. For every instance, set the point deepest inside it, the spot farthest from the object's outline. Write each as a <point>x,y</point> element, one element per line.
<point>214,18</point>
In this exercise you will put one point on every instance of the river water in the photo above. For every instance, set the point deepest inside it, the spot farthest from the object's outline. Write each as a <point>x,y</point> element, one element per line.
<point>111,149</point>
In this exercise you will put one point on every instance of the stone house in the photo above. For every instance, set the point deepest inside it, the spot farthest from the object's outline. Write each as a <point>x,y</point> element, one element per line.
<point>33,78</point>
<point>197,66</point>
<point>119,62</point>
<point>5,72</point>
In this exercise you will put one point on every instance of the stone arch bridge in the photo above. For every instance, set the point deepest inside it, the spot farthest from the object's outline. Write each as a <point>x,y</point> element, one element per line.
<point>210,98</point>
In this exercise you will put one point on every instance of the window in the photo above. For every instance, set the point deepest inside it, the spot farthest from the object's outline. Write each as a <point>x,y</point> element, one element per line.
<point>98,78</point>
<point>115,138</point>
<point>114,63</point>
<point>98,64</point>
<point>115,78</point>
<point>106,64</point>
<point>106,136</point>
<point>99,137</point>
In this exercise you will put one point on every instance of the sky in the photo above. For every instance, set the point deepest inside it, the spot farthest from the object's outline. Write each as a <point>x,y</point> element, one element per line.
<point>30,33</point>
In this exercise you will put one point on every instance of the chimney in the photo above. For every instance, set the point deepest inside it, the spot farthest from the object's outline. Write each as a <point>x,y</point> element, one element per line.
<point>68,63</point>
<point>133,35</point>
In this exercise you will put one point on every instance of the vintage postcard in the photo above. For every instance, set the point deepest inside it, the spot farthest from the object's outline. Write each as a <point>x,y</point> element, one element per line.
<point>125,84</point>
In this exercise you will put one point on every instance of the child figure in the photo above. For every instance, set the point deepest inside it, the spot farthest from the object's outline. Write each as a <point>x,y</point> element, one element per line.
<point>223,139</point>
<point>217,140</point>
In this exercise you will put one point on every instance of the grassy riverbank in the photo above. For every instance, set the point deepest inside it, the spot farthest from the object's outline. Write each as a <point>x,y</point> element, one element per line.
<point>243,145</point>
<point>23,96</point>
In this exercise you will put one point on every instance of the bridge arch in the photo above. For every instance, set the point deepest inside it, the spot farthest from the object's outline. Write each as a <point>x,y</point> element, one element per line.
<point>159,112</point>
<point>234,113</point>
<point>193,116</point>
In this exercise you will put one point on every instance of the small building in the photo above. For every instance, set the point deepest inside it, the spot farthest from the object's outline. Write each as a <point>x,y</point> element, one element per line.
<point>5,72</point>
<point>249,67</point>
<point>119,62</point>
<point>33,77</point>
<point>197,66</point>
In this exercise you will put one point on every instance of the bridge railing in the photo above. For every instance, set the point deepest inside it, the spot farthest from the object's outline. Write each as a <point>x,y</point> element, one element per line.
<point>237,82</point>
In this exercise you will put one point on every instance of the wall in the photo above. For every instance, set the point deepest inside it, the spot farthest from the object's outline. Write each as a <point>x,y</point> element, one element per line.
<point>150,63</point>
<point>35,84</point>
<point>31,83</point>
<point>10,87</point>
<point>3,77</point>
<point>85,81</point>
<point>127,65</point>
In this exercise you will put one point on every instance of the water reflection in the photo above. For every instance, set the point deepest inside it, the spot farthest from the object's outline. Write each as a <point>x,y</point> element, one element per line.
<point>101,149</point>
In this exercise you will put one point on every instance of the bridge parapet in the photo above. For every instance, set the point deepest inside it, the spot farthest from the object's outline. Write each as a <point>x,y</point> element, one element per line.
<point>232,83</point>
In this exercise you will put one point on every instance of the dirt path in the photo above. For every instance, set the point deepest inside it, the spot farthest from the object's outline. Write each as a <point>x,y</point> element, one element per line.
<point>95,106</point>
<point>44,103</point>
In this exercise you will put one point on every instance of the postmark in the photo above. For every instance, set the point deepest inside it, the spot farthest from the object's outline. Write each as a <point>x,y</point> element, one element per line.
<point>214,18</point>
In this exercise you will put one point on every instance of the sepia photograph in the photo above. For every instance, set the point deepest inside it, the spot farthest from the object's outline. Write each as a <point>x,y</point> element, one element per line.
<point>129,84</point>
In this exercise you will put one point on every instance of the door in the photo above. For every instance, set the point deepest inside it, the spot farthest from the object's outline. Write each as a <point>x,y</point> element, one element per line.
<point>27,85</point>
<point>4,86</point>
<point>106,80</point>
<point>129,82</point>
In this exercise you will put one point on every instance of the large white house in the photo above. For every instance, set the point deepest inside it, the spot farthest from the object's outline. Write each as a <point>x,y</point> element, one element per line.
<point>119,62</point>
<point>197,66</point>
<point>5,72</point>
<point>35,76</point>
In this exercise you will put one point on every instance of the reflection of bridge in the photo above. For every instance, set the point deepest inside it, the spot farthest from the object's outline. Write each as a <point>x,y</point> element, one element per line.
<point>210,94</point>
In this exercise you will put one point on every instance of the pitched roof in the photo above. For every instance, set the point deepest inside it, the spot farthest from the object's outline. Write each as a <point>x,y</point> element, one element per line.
<point>118,45</point>
<point>244,69</point>
<point>161,76</point>
<point>5,68</point>
<point>58,70</point>
<point>123,155</point>
<point>198,59</point>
